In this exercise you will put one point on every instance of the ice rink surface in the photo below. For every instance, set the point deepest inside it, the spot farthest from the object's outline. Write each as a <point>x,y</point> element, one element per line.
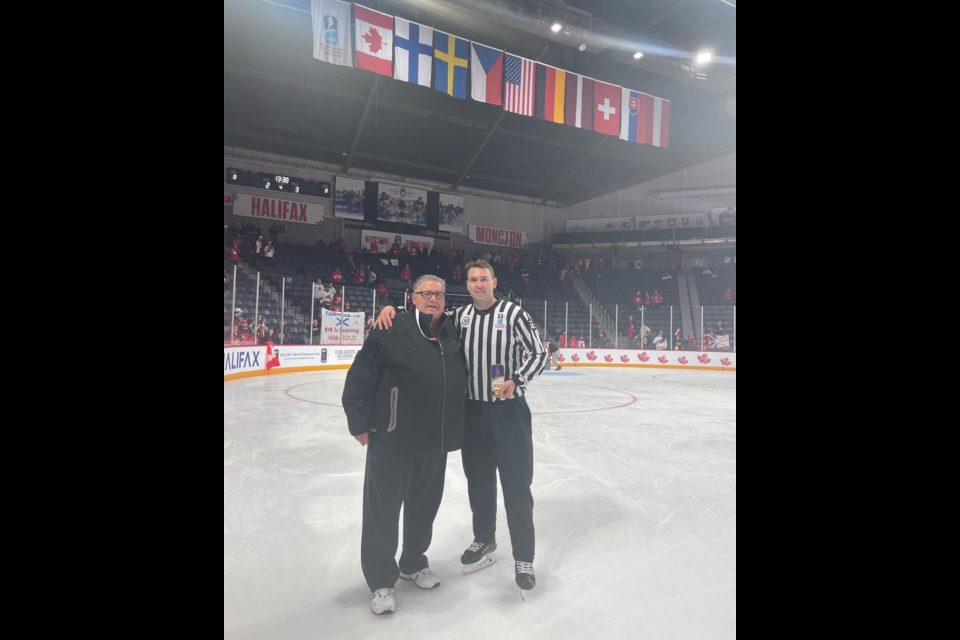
<point>635,488</point>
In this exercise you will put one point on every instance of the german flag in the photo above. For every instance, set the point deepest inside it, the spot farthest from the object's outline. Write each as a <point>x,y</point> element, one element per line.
<point>551,85</point>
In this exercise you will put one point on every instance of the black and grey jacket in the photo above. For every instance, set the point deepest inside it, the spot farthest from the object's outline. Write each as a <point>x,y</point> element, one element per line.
<point>409,386</point>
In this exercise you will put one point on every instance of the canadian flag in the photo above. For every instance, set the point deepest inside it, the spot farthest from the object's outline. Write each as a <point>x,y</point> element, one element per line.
<point>374,41</point>
<point>273,360</point>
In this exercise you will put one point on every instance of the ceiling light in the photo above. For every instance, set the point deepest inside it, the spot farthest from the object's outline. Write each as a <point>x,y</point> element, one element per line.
<point>556,27</point>
<point>704,56</point>
<point>637,55</point>
<point>583,47</point>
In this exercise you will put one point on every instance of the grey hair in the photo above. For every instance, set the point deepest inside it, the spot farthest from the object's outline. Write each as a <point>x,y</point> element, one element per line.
<point>422,279</point>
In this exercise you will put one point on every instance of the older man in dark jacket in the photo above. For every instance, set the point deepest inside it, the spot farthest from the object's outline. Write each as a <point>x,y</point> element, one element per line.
<point>404,397</point>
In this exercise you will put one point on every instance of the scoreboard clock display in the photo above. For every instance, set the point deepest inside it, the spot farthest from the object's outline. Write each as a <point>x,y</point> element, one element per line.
<point>277,182</point>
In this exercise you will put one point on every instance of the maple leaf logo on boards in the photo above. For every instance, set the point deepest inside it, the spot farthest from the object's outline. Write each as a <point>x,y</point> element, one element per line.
<point>624,359</point>
<point>704,359</point>
<point>726,362</point>
<point>643,357</point>
<point>374,41</point>
<point>683,360</point>
<point>575,358</point>
<point>608,358</point>
<point>560,358</point>
<point>662,359</point>
<point>591,356</point>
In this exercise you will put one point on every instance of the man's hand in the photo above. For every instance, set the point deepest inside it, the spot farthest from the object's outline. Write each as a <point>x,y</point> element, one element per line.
<point>364,439</point>
<point>508,387</point>
<point>385,320</point>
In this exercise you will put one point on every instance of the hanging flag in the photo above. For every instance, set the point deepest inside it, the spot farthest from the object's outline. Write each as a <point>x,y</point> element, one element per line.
<point>550,93</point>
<point>374,41</point>
<point>450,60</point>
<point>606,108</point>
<point>272,359</point>
<point>414,52</point>
<point>646,119</point>
<point>519,88</point>
<point>486,74</point>
<point>578,102</point>
<point>332,41</point>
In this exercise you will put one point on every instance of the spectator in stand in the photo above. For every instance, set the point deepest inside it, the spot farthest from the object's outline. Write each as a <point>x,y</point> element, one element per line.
<point>237,316</point>
<point>406,275</point>
<point>346,306</point>
<point>707,272</point>
<point>227,287</point>
<point>563,339</point>
<point>257,250</point>
<point>461,254</point>
<point>275,232</point>
<point>645,344</point>
<point>356,277</point>
<point>261,327</point>
<point>457,273</point>
<point>336,277</point>
<point>371,278</point>
<point>434,255</point>
<point>395,249</point>
<point>639,265</point>
<point>720,329</point>
<point>660,342</point>
<point>638,300</point>
<point>337,300</point>
<point>644,332</point>
<point>582,343</point>
<point>328,295</point>
<point>414,251</point>
<point>234,254</point>
<point>246,332</point>
<point>678,346</point>
<point>646,300</point>
<point>322,245</point>
<point>374,247</point>
<point>269,336</point>
<point>602,341</point>
<point>316,326</point>
<point>631,331</point>
<point>729,294</point>
<point>666,276</point>
<point>657,298</point>
<point>691,344</point>
<point>453,255</point>
<point>677,337</point>
<point>488,256</point>
<point>341,245</point>
<point>382,292</point>
<point>268,250</point>
<point>498,257</point>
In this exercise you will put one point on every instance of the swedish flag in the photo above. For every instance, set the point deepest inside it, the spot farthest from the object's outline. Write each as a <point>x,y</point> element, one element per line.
<point>451,55</point>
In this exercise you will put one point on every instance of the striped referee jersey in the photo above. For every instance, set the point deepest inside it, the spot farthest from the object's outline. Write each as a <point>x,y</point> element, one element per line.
<point>503,334</point>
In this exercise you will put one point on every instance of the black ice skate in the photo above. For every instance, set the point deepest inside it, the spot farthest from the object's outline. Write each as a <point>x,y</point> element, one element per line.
<point>478,556</point>
<point>526,579</point>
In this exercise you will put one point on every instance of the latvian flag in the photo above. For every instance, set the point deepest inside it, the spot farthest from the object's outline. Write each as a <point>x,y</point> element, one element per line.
<point>578,102</point>
<point>646,119</point>
<point>374,41</point>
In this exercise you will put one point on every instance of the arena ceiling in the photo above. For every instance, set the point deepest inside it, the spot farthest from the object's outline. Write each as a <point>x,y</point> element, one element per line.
<point>278,99</point>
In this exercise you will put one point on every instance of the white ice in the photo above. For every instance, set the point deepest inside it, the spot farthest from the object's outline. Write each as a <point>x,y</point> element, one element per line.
<point>635,516</point>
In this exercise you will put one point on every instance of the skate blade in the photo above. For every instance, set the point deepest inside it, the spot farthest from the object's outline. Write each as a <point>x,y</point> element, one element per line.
<point>522,596</point>
<point>486,561</point>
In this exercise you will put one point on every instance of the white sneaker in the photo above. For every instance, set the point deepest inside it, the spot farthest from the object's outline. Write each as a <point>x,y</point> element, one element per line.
<point>381,601</point>
<point>425,579</point>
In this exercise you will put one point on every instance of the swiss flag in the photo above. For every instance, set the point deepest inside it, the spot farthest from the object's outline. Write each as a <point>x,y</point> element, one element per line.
<point>606,108</point>
<point>374,41</point>
<point>273,360</point>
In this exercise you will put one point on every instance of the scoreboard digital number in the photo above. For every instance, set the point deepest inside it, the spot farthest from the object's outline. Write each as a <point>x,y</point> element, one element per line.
<point>277,182</point>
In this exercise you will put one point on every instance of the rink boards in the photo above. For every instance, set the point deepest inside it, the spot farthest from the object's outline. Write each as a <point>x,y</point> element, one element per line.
<point>245,362</point>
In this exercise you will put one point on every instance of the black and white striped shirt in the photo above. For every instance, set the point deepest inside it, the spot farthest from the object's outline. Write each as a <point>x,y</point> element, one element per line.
<point>503,334</point>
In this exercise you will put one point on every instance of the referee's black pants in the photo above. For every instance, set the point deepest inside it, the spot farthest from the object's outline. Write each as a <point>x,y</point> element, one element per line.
<point>393,478</point>
<point>499,435</point>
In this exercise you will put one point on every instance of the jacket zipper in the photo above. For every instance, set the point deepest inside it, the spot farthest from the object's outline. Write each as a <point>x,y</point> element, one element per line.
<point>443,410</point>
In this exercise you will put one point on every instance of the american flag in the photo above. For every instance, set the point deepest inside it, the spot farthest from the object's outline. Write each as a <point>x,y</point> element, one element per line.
<point>521,78</point>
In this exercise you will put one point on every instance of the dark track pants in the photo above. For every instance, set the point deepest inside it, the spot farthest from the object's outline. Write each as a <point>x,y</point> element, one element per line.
<point>499,435</point>
<point>393,478</point>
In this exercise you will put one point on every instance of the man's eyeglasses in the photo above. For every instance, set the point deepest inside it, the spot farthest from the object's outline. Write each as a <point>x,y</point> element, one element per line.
<point>430,295</point>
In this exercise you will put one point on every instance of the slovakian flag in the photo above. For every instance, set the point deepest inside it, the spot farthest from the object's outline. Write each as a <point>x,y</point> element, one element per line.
<point>374,41</point>
<point>519,84</point>
<point>414,52</point>
<point>332,38</point>
<point>450,62</point>
<point>646,119</point>
<point>606,108</point>
<point>486,74</point>
<point>578,102</point>
<point>273,360</point>
<point>551,92</point>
